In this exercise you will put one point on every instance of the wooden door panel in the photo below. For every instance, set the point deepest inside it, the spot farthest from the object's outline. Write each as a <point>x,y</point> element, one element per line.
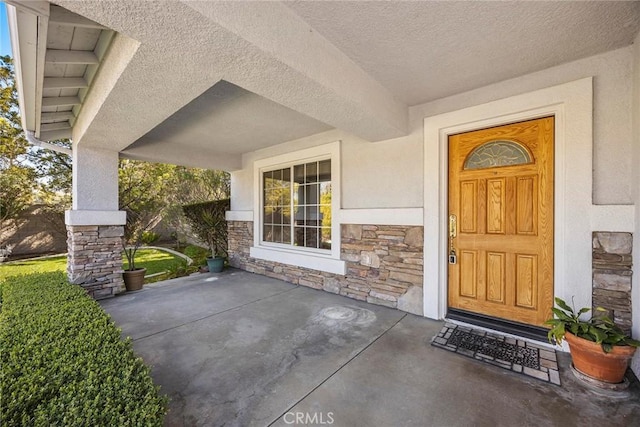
<point>496,277</point>
<point>468,206</point>
<point>504,206</point>
<point>468,274</point>
<point>526,281</point>
<point>496,206</point>
<point>527,205</point>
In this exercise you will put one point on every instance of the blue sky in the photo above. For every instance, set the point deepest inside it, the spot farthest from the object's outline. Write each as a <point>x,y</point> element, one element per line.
<point>5,43</point>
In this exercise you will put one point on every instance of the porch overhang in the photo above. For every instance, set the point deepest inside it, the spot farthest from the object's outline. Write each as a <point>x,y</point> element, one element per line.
<point>120,90</point>
<point>135,77</point>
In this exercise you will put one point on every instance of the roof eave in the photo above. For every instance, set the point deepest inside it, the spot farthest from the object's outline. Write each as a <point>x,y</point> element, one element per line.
<point>26,25</point>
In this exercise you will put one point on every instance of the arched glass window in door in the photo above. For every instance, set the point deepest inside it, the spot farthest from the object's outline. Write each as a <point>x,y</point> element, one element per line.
<point>497,153</point>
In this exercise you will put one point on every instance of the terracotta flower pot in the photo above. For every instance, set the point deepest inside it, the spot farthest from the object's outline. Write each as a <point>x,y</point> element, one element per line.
<point>589,358</point>
<point>134,279</point>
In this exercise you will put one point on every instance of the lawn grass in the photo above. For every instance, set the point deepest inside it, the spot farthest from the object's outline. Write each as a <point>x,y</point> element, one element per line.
<point>153,260</point>
<point>46,265</point>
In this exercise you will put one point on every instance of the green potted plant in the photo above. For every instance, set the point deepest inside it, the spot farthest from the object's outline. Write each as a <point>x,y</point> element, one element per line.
<point>599,348</point>
<point>133,276</point>
<point>208,222</point>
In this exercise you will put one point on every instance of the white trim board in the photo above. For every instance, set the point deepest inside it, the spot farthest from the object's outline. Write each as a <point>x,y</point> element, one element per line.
<point>399,216</point>
<point>572,105</point>
<point>299,259</point>
<point>85,217</point>
<point>613,218</point>
<point>239,215</point>
<point>391,216</point>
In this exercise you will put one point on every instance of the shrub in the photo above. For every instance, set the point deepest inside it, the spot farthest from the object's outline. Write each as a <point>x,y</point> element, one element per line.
<point>62,361</point>
<point>208,222</point>
<point>149,237</point>
<point>176,270</point>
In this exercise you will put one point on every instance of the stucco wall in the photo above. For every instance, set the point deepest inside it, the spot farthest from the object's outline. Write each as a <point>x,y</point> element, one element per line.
<point>612,129</point>
<point>635,279</point>
<point>389,173</point>
<point>374,175</point>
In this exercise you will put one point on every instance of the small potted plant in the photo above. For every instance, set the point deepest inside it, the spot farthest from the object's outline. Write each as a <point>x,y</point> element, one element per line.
<point>216,261</point>
<point>133,276</point>
<point>599,348</point>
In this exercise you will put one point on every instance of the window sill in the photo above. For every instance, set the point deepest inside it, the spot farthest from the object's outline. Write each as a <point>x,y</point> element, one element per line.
<point>311,261</point>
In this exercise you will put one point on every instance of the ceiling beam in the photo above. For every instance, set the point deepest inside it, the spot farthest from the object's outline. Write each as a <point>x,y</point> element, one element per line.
<point>55,56</point>
<point>61,16</point>
<point>51,117</point>
<point>65,83</point>
<point>60,101</point>
<point>178,155</point>
<point>297,68</point>
<point>54,126</point>
<point>53,135</point>
<point>294,68</point>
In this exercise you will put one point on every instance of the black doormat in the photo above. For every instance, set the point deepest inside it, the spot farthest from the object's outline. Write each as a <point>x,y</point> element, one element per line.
<point>508,353</point>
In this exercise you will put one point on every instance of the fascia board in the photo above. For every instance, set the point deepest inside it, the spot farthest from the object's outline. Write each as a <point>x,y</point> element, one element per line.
<point>23,29</point>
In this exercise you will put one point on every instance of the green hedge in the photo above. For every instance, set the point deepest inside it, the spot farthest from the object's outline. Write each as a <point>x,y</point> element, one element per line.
<point>62,361</point>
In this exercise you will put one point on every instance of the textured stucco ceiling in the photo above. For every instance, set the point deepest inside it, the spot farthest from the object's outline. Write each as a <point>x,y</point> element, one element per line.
<point>167,54</point>
<point>427,50</point>
<point>228,119</point>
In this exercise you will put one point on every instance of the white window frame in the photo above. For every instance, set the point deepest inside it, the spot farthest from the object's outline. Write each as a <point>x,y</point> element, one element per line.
<point>317,259</point>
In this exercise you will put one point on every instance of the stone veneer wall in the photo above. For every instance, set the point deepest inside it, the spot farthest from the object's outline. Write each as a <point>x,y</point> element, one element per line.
<point>94,258</point>
<point>612,275</point>
<point>384,264</point>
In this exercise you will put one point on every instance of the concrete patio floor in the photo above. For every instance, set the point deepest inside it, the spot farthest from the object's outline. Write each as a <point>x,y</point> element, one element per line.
<point>238,349</point>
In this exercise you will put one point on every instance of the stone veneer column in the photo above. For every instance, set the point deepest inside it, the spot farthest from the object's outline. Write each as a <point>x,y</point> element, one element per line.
<point>384,264</point>
<point>611,263</point>
<point>95,226</point>
<point>239,240</point>
<point>94,259</point>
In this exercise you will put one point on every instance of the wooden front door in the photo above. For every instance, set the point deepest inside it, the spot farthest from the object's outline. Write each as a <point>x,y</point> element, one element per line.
<point>501,212</point>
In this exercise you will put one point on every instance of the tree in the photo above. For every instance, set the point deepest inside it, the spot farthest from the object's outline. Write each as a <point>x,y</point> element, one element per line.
<point>13,146</point>
<point>28,174</point>
<point>55,171</point>
<point>199,185</point>
<point>193,185</point>
<point>17,178</point>
<point>142,195</point>
<point>151,193</point>
<point>148,192</point>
